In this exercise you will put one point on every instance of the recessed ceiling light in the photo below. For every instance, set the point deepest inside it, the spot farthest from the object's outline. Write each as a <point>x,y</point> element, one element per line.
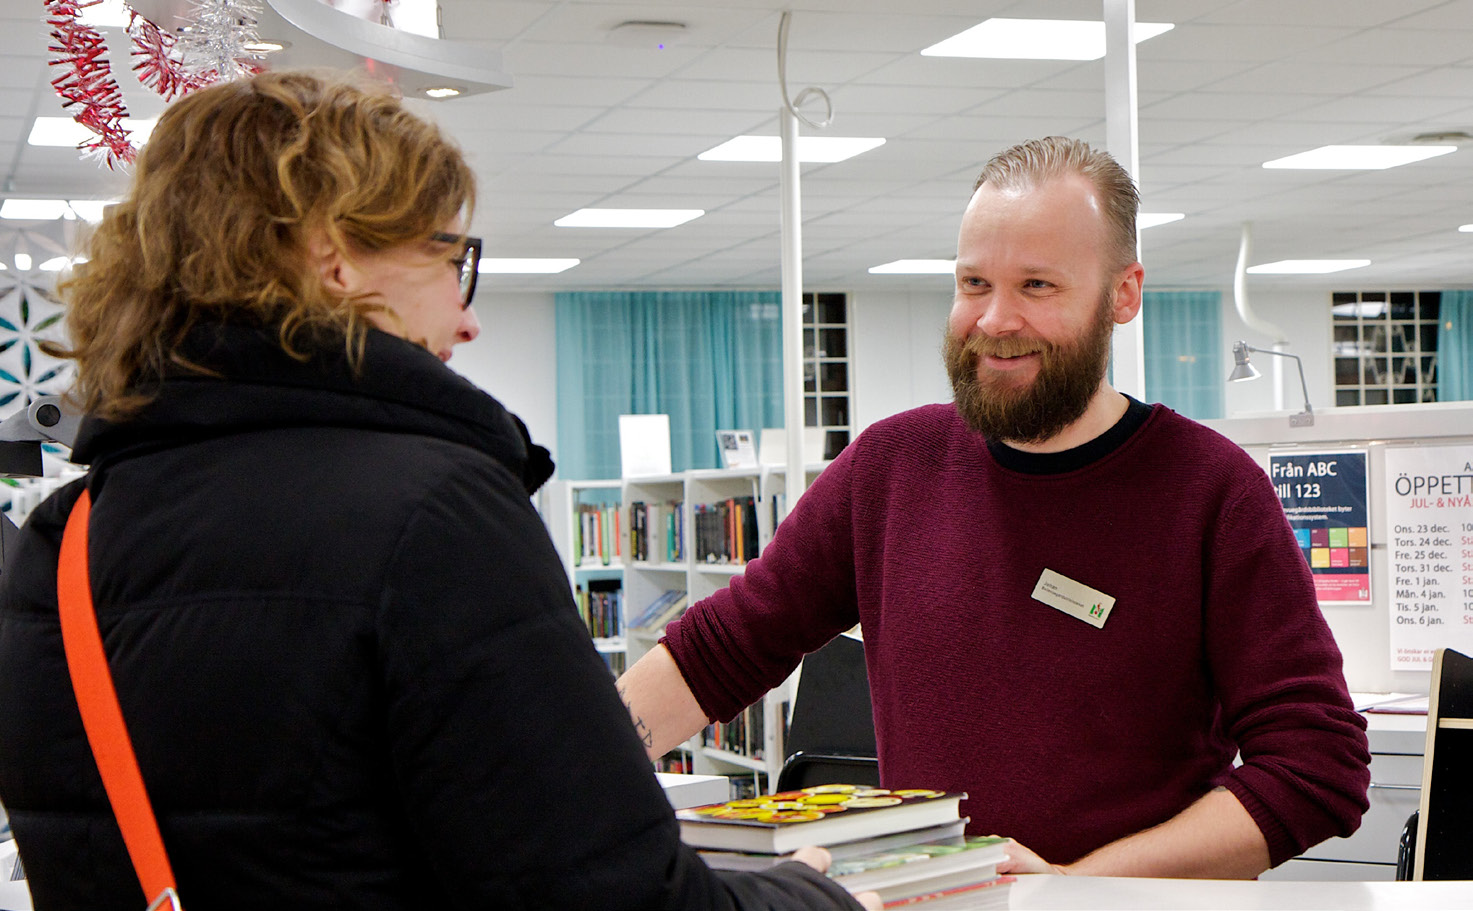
<point>1307,266</point>
<point>34,209</point>
<point>442,92</point>
<point>23,262</point>
<point>90,210</point>
<point>1358,158</point>
<point>810,148</point>
<point>525,266</point>
<point>628,218</point>
<point>108,13</point>
<point>51,209</point>
<point>1037,39</point>
<point>915,267</point>
<point>64,131</point>
<point>1146,220</point>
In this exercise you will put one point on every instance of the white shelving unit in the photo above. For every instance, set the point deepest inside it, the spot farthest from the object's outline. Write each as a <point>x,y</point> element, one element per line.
<point>561,513</point>
<point>645,580</point>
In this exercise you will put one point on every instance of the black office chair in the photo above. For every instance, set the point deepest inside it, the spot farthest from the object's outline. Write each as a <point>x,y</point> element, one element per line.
<point>803,770</point>
<point>832,736</point>
<point>1436,837</point>
<point>1406,849</point>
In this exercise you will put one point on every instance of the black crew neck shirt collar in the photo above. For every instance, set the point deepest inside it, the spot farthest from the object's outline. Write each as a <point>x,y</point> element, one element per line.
<point>1046,463</point>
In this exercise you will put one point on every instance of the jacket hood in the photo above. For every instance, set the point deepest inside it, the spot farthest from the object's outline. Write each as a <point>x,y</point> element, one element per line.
<point>398,387</point>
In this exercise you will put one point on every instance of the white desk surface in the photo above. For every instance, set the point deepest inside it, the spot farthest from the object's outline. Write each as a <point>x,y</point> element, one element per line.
<point>1406,734</point>
<point>1078,893</point>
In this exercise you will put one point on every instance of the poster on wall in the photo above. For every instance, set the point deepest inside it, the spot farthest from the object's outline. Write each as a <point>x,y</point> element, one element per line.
<point>1429,517</point>
<point>1324,497</point>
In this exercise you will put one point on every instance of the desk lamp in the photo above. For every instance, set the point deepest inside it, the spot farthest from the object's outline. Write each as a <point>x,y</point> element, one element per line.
<point>1242,370</point>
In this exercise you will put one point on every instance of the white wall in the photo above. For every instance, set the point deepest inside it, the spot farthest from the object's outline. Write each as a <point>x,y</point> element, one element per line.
<point>1303,313</point>
<point>895,351</point>
<point>515,357</point>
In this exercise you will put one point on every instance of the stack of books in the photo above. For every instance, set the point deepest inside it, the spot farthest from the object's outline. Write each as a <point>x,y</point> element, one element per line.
<point>907,845</point>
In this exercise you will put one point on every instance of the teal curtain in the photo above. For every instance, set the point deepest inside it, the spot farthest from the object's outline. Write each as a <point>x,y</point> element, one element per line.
<point>1455,347</point>
<point>710,360</point>
<point>1185,360</point>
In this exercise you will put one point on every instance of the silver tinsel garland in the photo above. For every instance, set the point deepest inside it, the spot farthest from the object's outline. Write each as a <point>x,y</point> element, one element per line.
<point>218,39</point>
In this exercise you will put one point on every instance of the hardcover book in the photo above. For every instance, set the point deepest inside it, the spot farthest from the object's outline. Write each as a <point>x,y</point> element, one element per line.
<point>821,815</point>
<point>739,860</point>
<point>922,868</point>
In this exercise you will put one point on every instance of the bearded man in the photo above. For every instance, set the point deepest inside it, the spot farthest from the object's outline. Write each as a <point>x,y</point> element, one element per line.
<point>1076,607</point>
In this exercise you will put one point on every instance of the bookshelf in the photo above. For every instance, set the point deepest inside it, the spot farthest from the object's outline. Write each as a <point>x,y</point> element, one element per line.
<point>742,503</point>
<point>657,553</point>
<point>585,520</point>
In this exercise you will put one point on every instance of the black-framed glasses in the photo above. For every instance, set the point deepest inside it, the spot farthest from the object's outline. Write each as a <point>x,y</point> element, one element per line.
<point>468,261</point>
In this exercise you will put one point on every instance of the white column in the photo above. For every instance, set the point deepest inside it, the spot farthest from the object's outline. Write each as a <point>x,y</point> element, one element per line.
<point>1122,140</point>
<point>792,307</point>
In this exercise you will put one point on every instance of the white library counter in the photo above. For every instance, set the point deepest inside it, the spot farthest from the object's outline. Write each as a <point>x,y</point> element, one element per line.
<point>1100,893</point>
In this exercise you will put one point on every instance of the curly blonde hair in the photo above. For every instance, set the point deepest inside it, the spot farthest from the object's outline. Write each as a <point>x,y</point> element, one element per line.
<point>234,185</point>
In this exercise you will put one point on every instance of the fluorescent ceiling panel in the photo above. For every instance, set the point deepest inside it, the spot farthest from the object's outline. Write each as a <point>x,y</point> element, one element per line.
<point>525,266</point>
<point>1358,158</point>
<point>34,209</point>
<point>1146,220</point>
<point>51,209</point>
<point>915,267</point>
<point>628,218</point>
<point>64,131</point>
<point>810,148</point>
<point>1037,39</point>
<point>108,13</point>
<point>1466,229</point>
<point>1307,266</point>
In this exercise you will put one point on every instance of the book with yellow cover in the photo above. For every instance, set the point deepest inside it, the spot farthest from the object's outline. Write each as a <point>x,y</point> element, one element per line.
<point>820,815</point>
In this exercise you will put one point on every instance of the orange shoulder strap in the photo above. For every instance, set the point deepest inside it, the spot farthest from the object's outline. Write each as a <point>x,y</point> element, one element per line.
<point>102,716</point>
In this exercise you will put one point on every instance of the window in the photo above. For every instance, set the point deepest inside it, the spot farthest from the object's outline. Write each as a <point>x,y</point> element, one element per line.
<point>826,369</point>
<point>1385,346</point>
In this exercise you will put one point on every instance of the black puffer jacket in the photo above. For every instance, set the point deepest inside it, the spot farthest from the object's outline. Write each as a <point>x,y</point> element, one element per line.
<point>348,658</point>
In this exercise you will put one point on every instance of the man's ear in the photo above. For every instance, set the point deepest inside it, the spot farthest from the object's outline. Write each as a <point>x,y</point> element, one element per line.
<point>1128,293</point>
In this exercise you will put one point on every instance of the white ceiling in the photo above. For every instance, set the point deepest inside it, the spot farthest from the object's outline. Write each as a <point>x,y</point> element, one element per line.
<point>591,123</point>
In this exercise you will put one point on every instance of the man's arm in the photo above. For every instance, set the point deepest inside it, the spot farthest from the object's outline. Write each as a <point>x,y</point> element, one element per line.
<point>1214,838</point>
<point>664,711</point>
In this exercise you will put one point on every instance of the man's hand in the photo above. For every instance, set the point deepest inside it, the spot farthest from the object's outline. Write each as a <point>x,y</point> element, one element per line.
<point>819,859</point>
<point>1023,860</point>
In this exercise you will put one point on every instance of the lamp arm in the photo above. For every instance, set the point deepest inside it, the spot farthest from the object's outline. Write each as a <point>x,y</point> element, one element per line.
<point>1303,385</point>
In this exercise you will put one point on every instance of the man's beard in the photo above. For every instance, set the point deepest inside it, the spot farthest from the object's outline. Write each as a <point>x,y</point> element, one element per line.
<point>1068,377</point>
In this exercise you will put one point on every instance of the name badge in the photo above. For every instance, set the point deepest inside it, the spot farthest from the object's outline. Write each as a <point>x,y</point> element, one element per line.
<point>1073,598</point>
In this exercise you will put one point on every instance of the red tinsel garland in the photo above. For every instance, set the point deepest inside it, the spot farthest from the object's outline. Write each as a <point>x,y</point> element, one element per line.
<point>158,67</point>
<point>88,81</point>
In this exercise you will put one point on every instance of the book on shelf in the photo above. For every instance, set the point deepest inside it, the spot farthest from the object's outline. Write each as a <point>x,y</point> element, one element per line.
<point>669,605</point>
<point>596,538</point>
<point>743,860</point>
<point>744,735</point>
<point>599,604</point>
<point>821,815</point>
<point>726,531</point>
<point>655,532</point>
